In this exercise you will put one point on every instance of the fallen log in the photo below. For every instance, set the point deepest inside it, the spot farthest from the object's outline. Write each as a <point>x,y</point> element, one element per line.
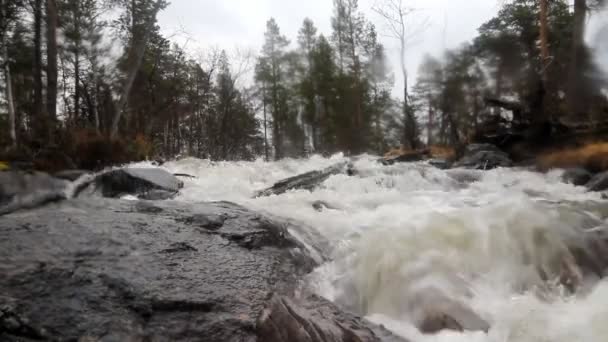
<point>305,181</point>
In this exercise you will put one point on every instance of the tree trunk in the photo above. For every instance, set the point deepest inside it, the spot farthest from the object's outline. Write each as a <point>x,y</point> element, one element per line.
<point>51,71</point>
<point>265,123</point>
<point>38,117</point>
<point>77,61</point>
<point>9,93</point>
<point>429,127</point>
<point>136,56</point>
<point>545,60</point>
<point>578,49</point>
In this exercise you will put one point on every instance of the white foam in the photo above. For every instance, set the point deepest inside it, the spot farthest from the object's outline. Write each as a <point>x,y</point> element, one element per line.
<point>397,231</point>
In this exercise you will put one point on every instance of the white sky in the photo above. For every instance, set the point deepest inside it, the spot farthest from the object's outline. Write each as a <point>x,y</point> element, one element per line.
<point>228,24</point>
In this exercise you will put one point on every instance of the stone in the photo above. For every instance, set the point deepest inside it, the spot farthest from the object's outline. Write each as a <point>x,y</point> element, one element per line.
<point>150,184</point>
<point>315,320</point>
<point>400,156</point>
<point>322,205</point>
<point>99,269</point>
<point>599,182</point>
<point>483,157</point>
<point>441,164</point>
<point>576,176</point>
<point>435,312</point>
<point>22,190</point>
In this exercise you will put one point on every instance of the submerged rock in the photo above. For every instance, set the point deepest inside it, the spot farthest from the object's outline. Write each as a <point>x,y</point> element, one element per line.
<point>107,270</point>
<point>20,190</point>
<point>434,312</point>
<point>315,320</point>
<point>306,181</point>
<point>441,164</point>
<point>322,205</point>
<point>401,156</point>
<point>599,182</point>
<point>483,157</point>
<point>576,176</point>
<point>152,184</point>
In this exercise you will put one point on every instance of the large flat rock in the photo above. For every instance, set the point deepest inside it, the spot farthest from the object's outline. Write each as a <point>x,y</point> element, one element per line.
<point>108,270</point>
<point>98,269</point>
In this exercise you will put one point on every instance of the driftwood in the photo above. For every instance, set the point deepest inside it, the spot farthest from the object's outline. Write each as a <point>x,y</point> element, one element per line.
<point>306,181</point>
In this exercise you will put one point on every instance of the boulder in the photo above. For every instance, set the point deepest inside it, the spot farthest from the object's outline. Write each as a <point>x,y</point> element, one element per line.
<point>95,269</point>
<point>441,164</point>
<point>322,205</point>
<point>20,190</point>
<point>433,312</point>
<point>599,182</point>
<point>152,184</point>
<point>315,320</point>
<point>306,181</point>
<point>401,156</point>
<point>483,157</point>
<point>576,176</point>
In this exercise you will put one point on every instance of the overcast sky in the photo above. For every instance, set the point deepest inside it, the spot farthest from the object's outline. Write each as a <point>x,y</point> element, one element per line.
<point>228,24</point>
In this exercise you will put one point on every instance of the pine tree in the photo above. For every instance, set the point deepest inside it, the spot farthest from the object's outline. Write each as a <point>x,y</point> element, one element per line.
<point>270,72</point>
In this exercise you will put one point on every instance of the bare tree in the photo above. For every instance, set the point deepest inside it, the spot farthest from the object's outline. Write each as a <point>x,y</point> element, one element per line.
<point>9,86</point>
<point>38,110</point>
<point>544,55</point>
<point>51,69</point>
<point>401,26</point>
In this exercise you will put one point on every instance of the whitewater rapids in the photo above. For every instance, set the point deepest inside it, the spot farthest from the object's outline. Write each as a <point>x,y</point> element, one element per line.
<point>397,232</point>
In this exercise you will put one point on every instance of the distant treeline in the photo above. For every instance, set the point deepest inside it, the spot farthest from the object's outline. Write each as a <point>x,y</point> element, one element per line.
<point>64,86</point>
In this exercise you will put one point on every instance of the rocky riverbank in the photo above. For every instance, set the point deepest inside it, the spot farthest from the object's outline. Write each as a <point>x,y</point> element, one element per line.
<point>102,269</point>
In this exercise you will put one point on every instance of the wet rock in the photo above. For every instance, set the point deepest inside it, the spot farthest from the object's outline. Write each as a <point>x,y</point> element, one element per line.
<point>315,320</point>
<point>150,184</point>
<point>599,182</point>
<point>441,164</point>
<point>576,176</point>
<point>322,205</point>
<point>483,157</point>
<point>184,175</point>
<point>306,181</point>
<point>20,190</point>
<point>95,269</point>
<point>433,312</point>
<point>400,156</point>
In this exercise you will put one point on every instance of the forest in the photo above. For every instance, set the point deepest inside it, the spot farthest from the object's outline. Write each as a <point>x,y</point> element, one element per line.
<point>98,81</point>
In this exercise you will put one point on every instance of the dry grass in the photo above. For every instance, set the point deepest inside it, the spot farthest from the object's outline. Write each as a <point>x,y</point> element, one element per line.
<point>434,151</point>
<point>443,152</point>
<point>591,156</point>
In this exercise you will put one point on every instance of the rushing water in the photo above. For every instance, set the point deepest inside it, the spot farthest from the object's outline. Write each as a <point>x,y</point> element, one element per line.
<point>406,236</point>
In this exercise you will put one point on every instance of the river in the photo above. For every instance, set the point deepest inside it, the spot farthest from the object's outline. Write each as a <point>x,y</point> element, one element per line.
<point>399,235</point>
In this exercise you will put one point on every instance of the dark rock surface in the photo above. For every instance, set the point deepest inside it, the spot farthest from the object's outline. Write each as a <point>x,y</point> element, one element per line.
<point>151,184</point>
<point>306,181</point>
<point>577,176</point>
<point>404,157</point>
<point>483,157</point>
<point>109,270</point>
<point>19,190</point>
<point>322,205</point>
<point>441,164</point>
<point>315,320</point>
<point>599,182</point>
